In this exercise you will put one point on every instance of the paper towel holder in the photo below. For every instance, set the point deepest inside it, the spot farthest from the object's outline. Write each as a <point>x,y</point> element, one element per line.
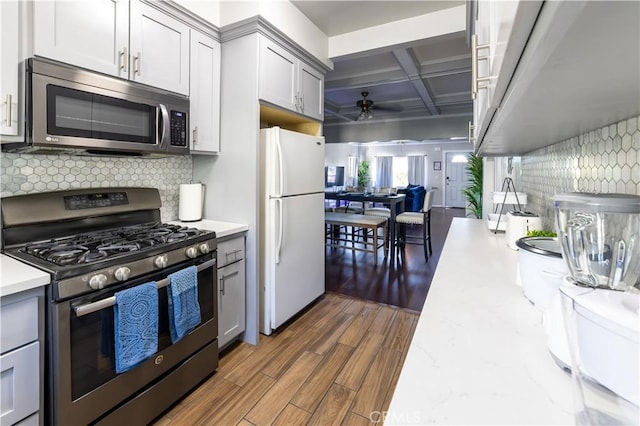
<point>191,202</point>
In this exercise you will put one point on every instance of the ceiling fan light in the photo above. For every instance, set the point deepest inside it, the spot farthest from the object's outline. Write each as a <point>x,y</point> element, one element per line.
<point>362,116</point>
<point>369,115</point>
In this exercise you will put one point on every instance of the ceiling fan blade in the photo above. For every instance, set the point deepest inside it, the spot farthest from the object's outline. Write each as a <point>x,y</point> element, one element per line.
<point>390,108</point>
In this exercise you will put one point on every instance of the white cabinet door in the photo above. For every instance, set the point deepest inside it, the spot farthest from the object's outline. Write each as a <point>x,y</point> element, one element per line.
<point>19,383</point>
<point>159,49</point>
<point>9,18</point>
<point>205,94</point>
<point>311,85</point>
<point>288,82</point>
<point>231,302</point>
<point>483,30</point>
<point>90,34</point>
<point>278,75</point>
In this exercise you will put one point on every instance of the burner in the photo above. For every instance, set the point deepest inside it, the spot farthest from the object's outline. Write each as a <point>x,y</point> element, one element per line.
<point>95,246</point>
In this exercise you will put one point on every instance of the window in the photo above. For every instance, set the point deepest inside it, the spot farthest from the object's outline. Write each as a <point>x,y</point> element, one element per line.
<point>352,171</point>
<point>400,172</point>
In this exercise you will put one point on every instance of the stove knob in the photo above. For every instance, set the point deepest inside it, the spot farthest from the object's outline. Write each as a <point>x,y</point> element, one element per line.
<point>204,248</point>
<point>122,273</point>
<point>98,281</point>
<point>192,252</point>
<point>161,261</point>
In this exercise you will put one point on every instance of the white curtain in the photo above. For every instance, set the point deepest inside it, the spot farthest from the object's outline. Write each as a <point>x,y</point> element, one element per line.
<point>384,171</point>
<point>417,170</point>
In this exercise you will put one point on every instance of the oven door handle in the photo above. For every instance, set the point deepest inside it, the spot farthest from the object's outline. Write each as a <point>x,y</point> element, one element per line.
<point>92,307</point>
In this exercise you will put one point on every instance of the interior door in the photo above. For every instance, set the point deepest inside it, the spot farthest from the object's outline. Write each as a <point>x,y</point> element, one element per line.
<point>456,179</point>
<point>297,260</point>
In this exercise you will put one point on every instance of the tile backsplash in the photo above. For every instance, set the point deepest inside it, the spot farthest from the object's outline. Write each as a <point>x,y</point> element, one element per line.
<point>27,173</point>
<point>602,160</point>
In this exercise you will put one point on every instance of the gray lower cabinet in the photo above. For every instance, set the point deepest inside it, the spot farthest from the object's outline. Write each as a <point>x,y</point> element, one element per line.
<point>231,290</point>
<point>22,327</point>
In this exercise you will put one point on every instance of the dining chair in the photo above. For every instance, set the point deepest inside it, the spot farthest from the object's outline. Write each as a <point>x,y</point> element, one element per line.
<point>423,218</point>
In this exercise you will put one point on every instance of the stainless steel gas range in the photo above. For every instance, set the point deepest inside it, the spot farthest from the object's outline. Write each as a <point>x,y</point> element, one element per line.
<point>95,243</point>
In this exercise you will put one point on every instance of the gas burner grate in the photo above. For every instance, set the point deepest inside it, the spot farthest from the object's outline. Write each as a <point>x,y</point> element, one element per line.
<point>95,246</point>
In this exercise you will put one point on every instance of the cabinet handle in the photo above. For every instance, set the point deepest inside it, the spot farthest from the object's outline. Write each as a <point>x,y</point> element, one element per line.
<point>302,103</point>
<point>297,103</point>
<point>471,131</point>
<point>124,59</point>
<point>229,253</point>
<point>475,58</point>
<point>8,111</point>
<point>226,277</point>
<point>195,135</point>
<point>136,64</point>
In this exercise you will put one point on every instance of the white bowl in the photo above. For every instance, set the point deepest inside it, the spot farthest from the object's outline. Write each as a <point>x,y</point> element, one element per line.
<point>541,268</point>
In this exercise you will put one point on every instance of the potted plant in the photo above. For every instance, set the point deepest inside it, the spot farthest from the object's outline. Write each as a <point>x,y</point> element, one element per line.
<point>473,192</point>
<point>363,174</point>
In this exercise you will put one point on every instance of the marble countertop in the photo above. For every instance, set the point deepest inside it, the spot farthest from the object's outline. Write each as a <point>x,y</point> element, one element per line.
<point>16,276</point>
<point>479,352</point>
<point>222,229</point>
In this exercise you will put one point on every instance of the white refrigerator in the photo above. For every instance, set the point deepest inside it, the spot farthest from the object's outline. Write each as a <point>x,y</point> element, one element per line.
<point>293,224</point>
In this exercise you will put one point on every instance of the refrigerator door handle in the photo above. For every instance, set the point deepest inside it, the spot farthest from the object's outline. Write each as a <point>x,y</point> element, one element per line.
<point>280,230</point>
<point>280,168</point>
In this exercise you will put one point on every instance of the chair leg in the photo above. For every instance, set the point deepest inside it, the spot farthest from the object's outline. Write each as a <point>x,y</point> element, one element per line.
<point>424,242</point>
<point>429,231</point>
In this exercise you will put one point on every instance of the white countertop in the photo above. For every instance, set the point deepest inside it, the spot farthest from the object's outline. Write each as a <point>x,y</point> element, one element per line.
<point>16,276</point>
<point>479,352</point>
<point>222,229</point>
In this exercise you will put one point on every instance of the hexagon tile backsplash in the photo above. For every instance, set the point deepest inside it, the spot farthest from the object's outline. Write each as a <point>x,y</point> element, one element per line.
<point>602,160</point>
<point>27,173</point>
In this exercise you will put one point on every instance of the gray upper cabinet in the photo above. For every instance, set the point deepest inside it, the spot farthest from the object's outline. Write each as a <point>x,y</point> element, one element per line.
<point>288,82</point>
<point>126,39</point>
<point>159,49</point>
<point>10,93</point>
<point>501,31</point>
<point>205,94</point>
<point>578,70</point>
<point>93,35</point>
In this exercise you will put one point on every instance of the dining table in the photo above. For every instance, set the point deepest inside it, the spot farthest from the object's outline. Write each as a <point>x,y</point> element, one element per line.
<point>394,201</point>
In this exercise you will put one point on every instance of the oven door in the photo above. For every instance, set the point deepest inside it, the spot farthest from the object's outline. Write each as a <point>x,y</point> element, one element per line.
<point>83,385</point>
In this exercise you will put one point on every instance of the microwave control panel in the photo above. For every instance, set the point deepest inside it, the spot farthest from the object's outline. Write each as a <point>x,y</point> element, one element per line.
<point>178,126</point>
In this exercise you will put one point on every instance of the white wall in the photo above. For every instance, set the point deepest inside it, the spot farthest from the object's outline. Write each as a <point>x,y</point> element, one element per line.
<point>207,10</point>
<point>286,17</point>
<point>417,130</point>
<point>421,27</point>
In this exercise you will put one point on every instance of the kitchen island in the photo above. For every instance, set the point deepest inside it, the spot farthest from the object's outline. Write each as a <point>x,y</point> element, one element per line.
<point>479,352</point>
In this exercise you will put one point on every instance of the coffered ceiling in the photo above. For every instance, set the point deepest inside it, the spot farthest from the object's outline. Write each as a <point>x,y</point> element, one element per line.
<point>418,79</point>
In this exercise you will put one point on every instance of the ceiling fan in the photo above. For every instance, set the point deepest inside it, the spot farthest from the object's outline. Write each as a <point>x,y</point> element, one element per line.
<point>367,105</point>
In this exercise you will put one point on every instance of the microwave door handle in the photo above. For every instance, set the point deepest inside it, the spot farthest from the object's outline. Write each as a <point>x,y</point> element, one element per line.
<point>164,123</point>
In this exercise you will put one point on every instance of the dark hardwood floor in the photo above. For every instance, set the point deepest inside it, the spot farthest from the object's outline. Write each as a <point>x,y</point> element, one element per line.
<point>402,282</point>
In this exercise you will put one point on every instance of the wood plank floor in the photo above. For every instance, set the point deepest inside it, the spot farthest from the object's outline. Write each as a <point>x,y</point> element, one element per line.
<point>336,364</point>
<point>403,282</point>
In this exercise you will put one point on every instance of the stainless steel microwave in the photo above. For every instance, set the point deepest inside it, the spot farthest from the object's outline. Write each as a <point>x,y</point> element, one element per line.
<point>72,109</point>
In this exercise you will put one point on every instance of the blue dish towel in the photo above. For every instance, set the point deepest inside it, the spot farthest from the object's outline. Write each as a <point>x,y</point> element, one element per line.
<point>136,325</point>
<point>184,309</point>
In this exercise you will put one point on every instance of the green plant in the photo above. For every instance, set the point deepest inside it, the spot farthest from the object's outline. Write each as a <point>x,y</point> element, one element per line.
<point>363,174</point>
<point>473,192</point>
<point>540,233</point>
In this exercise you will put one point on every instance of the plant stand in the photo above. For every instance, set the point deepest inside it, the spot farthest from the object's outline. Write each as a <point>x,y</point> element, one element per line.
<point>507,195</point>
